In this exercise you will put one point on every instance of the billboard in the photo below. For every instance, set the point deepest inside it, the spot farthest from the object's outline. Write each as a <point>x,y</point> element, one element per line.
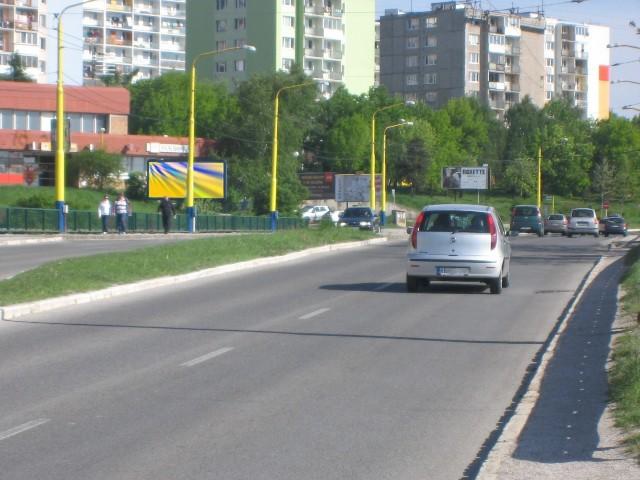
<point>355,188</point>
<point>465,178</point>
<point>319,184</point>
<point>168,178</point>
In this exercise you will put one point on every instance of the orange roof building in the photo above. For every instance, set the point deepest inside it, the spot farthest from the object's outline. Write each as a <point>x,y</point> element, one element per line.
<point>98,118</point>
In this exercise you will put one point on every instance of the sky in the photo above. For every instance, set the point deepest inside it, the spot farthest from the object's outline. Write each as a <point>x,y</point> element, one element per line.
<point>616,14</point>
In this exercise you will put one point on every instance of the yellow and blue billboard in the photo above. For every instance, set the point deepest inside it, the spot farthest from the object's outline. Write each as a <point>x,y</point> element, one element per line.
<point>168,178</point>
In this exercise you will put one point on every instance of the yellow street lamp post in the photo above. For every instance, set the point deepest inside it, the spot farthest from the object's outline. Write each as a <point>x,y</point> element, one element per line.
<point>383,194</point>
<point>539,195</point>
<point>372,194</point>
<point>273,207</point>
<point>191,212</point>
<point>60,123</point>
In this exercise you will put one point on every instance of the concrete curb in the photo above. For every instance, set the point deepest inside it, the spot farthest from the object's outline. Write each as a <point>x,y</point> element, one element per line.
<point>508,440</point>
<point>14,311</point>
<point>29,241</point>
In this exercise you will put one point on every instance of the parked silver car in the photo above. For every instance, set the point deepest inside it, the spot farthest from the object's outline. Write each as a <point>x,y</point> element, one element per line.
<point>583,221</point>
<point>459,243</point>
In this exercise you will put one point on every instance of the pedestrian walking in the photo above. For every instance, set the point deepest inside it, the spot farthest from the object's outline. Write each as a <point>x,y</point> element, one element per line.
<point>168,211</point>
<point>104,210</point>
<point>122,209</point>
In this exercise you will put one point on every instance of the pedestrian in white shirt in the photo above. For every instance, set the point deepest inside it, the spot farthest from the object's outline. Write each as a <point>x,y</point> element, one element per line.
<point>104,210</point>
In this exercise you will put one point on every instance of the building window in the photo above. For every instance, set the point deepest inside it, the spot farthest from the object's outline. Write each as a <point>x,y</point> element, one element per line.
<point>221,4</point>
<point>550,45</point>
<point>239,42</point>
<point>474,39</point>
<point>241,3</point>
<point>27,38</point>
<point>496,39</point>
<point>430,78</point>
<point>221,25</point>
<point>584,31</point>
<point>412,79</point>
<point>220,44</point>
<point>431,97</point>
<point>431,59</point>
<point>6,119</point>
<point>549,62</point>
<point>549,94</point>
<point>240,23</point>
<point>221,67</point>
<point>431,41</point>
<point>431,22</point>
<point>289,3</point>
<point>413,23</point>
<point>238,65</point>
<point>412,42</point>
<point>412,61</point>
<point>288,42</point>
<point>474,77</point>
<point>43,44</point>
<point>288,21</point>
<point>34,120</point>
<point>474,58</point>
<point>549,78</point>
<point>76,122</point>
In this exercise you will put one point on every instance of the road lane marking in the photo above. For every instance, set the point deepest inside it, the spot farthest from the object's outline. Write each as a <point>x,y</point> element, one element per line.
<point>22,428</point>
<point>206,357</point>
<point>314,314</point>
<point>382,287</point>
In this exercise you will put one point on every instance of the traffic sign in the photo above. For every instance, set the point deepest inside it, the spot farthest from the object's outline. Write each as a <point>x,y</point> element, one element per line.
<point>605,205</point>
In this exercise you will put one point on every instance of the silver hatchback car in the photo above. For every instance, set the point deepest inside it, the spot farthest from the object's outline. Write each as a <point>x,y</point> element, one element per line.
<point>459,243</point>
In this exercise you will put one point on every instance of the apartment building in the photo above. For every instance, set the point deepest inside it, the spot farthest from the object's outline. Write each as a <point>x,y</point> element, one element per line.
<point>126,35</point>
<point>23,30</point>
<point>459,50</point>
<point>334,40</point>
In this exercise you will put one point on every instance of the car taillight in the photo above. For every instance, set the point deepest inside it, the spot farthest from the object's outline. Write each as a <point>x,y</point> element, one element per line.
<point>416,229</point>
<point>492,231</point>
<point>564,221</point>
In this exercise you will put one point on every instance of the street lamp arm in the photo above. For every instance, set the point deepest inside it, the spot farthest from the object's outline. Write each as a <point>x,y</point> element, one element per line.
<point>616,45</point>
<point>211,53</point>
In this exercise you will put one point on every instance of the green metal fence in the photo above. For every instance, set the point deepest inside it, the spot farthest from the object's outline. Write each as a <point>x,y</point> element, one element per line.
<point>18,220</point>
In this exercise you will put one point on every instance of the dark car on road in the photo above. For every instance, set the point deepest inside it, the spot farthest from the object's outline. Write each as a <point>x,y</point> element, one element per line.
<point>613,226</point>
<point>361,217</point>
<point>526,218</point>
<point>556,223</point>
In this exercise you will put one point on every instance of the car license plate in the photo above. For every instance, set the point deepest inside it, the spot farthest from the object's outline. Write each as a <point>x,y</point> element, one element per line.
<point>452,271</point>
<point>582,224</point>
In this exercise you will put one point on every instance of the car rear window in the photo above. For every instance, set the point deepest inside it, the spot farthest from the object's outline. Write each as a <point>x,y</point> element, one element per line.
<point>555,217</point>
<point>455,221</point>
<point>357,212</point>
<point>525,211</point>
<point>583,213</point>
<point>615,220</point>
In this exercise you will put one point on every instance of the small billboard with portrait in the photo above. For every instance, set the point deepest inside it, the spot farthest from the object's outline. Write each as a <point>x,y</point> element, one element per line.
<point>465,178</point>
<point>168,178</point>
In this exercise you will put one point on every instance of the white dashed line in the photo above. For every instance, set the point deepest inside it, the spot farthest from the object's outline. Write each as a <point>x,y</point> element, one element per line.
<point>206,357</point>
<point>314,313</point>
<point>22,428</point>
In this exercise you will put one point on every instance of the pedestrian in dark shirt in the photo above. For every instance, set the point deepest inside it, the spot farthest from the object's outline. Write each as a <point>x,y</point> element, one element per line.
<point>167,210</point>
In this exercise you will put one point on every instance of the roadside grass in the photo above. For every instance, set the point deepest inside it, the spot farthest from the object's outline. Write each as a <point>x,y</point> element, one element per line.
<point>76,275</point>
<point>624,377</point>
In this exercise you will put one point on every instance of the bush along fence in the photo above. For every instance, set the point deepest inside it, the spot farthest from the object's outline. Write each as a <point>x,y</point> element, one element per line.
<point>41,220</point>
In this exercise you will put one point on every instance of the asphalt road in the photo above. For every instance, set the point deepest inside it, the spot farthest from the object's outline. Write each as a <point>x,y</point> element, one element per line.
<point>18,258</point>
<point>319,369</point>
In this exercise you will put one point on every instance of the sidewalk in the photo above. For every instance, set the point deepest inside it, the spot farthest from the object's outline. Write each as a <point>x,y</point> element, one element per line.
<point>563,426</point>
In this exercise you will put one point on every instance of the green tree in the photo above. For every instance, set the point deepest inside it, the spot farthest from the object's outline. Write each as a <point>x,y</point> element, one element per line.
<point>17,73</point>
<point>119,79</point>
<point>99,169</point>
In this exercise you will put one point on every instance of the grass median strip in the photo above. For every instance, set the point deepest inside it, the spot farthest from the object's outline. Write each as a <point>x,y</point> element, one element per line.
<point>624,377</point>
<point>76,275</point>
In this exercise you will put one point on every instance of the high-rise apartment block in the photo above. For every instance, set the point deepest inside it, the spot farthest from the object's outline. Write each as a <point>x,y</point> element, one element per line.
<point>23,30</point>
<point>333,40</point>
<point>126,35</point>
<point>458,50</point>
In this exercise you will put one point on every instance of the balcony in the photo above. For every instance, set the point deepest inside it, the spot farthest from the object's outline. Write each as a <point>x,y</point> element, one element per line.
<point>118,6</point>
<point>333,54</point>
<point>496,67</point>
<point>146,9</point>
<point>512,69</point>
<point>498,86</point>
<point>6,24</point>
<point>313,53</point>
<point>174,30</point>
<point>26,4</point>
<point>171,47</point>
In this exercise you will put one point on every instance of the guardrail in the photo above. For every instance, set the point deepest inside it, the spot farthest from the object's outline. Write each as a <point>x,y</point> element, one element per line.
<point>17,220</point>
